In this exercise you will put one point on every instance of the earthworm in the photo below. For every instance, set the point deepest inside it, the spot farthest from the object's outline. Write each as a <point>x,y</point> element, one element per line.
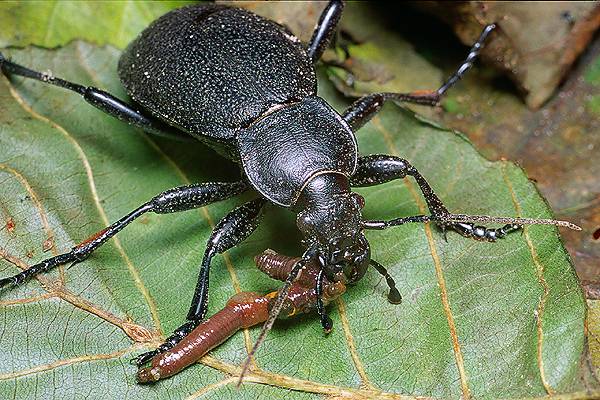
<point>243,310</point>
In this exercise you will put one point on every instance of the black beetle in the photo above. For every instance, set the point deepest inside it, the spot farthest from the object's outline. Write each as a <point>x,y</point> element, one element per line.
<point>246,86</point>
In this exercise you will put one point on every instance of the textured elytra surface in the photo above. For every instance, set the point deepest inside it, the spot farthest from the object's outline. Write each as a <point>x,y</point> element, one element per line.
<point>218,69</point>
<point>84,168</point>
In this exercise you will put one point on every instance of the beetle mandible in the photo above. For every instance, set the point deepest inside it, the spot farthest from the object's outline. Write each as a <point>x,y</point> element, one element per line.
<point>247,87</point>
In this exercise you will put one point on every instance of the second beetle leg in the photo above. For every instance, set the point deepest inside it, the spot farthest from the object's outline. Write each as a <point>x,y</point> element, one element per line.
<point>173,200</point>
<point>380,168</point>
<point>229,232</point>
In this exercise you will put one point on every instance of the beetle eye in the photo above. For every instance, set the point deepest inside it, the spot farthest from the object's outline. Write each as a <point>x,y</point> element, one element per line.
<point>360,201</point>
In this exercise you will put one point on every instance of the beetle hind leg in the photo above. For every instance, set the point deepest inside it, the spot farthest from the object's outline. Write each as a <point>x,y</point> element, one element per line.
<point>325,29</point>
<point>363,109</point>
<point>100,99</point>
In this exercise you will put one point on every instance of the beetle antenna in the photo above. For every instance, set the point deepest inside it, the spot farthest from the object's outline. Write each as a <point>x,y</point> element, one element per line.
<point>274,312</point>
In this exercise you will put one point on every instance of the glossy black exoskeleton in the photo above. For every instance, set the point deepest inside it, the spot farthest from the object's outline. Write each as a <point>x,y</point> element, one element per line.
<point>246,86</point>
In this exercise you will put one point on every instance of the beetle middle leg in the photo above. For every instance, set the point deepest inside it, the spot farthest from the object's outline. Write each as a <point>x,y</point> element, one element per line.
<point>173,200</point>
<point>380,168</point>
<point>363,109</point>
<point>229,232</point>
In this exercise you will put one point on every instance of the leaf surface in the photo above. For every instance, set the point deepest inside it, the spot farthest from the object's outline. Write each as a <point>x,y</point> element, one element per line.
<point>478,320</point>
<point>54,23</point>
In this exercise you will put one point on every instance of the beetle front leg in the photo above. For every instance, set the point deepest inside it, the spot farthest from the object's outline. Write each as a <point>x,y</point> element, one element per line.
<point>380,168</point>
<point>363,109</point>
<point>229,232</point>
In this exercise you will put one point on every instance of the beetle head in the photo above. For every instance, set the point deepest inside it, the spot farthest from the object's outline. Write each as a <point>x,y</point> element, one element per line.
<point>335,229</point>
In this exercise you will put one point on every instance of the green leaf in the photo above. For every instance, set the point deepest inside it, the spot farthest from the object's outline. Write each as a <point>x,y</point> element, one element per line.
<point>54,23</point>
<point>478,319</point>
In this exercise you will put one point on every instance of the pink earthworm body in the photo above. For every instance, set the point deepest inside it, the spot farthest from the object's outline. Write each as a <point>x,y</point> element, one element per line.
<point>243,310</point>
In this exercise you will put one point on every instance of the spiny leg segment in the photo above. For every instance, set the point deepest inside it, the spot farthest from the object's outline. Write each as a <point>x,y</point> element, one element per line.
<point>380,168</point>
<point>363,109</point>
<point>231,230</point>
<point>173,200</point>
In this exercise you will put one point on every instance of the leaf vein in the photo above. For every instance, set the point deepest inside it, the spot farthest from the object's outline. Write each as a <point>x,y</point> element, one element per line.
<point>136,332</point>
<point>438,268</point>
<point>68,362</point>
<point>132,269</point>
<point>351,346</point>
<point>36,202</point>
<point>539,269</point>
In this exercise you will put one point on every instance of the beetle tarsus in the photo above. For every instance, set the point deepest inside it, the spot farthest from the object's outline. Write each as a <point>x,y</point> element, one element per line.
<point>363,109</point>
<point>168,344</point>
<point>379,168</point>
<point>43,266</point>
<point>482,233</point>
<point>469,60</point>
